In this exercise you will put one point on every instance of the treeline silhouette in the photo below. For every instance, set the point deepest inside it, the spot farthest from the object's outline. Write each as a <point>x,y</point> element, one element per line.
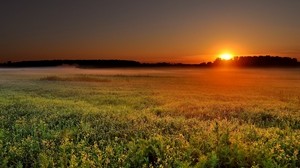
<point>238,61</point>
<point>95,64</point>
<point>258,61</point>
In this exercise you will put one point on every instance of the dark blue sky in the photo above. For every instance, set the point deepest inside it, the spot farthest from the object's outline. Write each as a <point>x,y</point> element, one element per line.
<point>154,30</point>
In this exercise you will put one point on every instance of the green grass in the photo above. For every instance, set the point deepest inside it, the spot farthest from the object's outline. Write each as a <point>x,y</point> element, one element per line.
<point>163,118</point>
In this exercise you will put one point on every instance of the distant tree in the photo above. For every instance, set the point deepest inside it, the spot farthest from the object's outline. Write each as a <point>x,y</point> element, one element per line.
<point>258,61</point>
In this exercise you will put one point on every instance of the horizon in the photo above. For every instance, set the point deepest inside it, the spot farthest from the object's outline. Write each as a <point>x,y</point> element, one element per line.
<point>156,62</point>
<point>156,31</point>
<point>225,61</point>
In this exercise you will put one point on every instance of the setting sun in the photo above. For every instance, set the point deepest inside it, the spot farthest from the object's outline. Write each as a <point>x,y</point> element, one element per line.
<point>226,56</point>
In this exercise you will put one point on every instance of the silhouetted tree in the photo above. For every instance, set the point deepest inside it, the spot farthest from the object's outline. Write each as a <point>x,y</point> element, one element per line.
<point>258,61</point>
<point>239,61</point>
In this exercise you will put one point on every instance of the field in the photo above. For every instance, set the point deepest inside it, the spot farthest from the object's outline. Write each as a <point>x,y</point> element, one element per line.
<point>67,117</point>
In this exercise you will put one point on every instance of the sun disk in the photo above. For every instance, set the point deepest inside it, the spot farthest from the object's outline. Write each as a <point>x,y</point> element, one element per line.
<point>226,56</point>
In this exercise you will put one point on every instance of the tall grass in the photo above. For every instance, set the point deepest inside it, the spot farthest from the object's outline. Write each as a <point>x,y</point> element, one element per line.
<point>195,119</point>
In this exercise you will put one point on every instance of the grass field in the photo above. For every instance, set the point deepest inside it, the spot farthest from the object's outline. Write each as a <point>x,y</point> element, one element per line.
<point>149,118</point>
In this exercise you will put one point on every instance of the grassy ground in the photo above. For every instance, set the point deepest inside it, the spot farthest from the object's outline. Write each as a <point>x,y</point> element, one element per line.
<point>149,118</point>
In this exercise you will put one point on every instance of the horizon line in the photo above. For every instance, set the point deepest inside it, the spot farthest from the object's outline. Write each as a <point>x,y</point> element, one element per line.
<point>157,62</point>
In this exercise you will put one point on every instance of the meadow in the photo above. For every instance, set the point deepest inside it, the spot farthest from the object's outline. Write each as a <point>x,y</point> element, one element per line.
<point>67,117</point>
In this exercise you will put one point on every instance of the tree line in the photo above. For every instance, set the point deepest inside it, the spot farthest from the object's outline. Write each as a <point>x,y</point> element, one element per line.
<point>258,61</point>
<point>238,61</point>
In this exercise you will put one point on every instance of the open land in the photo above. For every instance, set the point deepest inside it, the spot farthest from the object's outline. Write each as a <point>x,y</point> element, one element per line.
<point>68,117</point>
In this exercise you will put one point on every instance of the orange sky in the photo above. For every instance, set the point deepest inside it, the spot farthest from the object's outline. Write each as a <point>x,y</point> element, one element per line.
<point>154,31</point>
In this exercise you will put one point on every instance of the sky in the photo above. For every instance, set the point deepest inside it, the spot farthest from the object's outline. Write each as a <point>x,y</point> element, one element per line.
<point>188,31</point>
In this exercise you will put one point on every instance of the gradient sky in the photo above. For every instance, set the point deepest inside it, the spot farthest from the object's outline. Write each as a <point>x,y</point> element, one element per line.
<point>188,31</point>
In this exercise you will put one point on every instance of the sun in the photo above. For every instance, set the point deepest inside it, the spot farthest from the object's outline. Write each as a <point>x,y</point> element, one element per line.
<point>226,56</point>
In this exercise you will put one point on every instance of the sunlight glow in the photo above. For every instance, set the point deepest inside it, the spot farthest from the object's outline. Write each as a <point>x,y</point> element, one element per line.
<point>226,56</point>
